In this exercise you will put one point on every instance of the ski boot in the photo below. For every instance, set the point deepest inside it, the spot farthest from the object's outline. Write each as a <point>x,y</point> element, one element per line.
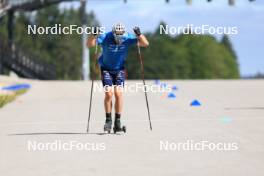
<point>108,125</point>
<point>118,127</point>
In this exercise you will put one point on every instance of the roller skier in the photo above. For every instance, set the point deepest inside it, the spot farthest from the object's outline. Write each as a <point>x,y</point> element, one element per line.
<point>115,46</point>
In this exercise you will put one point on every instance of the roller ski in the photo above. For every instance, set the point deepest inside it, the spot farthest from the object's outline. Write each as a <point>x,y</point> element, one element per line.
<point>108,125</point>
<point>118,127</point>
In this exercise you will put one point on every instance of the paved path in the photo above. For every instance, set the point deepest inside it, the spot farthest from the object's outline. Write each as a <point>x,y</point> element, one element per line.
<point>232,113</point>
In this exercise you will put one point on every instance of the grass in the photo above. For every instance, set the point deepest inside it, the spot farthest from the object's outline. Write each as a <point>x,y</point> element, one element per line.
<point>4,99</point>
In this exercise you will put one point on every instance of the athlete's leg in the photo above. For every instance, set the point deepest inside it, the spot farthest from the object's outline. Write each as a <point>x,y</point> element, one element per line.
<point>108,100</point>
<point>118,106</point>
<point>118,81</point>
<point>107,81</point>
<point>118,91</point>
<point>108,109</point>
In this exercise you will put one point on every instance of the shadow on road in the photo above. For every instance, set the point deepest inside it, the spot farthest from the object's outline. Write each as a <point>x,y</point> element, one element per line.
<point>60,133</point>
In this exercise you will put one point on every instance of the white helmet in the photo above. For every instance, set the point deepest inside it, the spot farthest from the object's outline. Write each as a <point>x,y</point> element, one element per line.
<point>118,29</point>
<point>118,32</point>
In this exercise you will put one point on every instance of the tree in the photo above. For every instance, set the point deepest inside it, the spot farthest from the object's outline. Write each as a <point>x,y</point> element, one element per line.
<point>63,51</point>
<point>183,57</point>
<point>227,43</point>
<point>167,57</point>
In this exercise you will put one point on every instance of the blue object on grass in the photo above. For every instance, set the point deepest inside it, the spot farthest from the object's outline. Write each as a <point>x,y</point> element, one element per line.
<point>195,103</point>
<point>17,87</point>
<point>171,95</point>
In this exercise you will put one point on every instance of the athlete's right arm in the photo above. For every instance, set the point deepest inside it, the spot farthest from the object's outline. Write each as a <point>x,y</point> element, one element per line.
<point>91,42</point>
<point>96,39</point>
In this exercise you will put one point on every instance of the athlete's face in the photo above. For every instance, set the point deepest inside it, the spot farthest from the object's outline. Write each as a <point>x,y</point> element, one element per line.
<point>119,32</point>
<point>119,38</point>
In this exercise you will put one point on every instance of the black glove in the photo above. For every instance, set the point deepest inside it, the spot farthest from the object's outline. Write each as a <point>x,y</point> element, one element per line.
<point>137,31</point>
<point>96,31</point>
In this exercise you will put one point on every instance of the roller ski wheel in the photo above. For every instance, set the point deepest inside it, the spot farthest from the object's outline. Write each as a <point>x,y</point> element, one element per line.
<point>107,127</point>
<point>119,129</point>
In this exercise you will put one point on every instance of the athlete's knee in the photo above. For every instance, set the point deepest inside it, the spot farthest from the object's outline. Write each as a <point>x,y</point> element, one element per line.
<point>108,96</point>
<point>118,95</point>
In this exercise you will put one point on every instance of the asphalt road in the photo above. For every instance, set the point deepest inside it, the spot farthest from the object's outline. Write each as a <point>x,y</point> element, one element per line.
<point>43,132</point>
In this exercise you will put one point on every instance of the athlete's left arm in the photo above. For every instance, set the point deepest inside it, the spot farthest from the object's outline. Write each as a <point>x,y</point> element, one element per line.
<point>143,41</point>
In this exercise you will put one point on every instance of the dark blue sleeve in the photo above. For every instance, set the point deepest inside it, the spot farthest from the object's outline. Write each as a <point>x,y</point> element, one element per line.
<point>101,39</point>
<point>131,39</point>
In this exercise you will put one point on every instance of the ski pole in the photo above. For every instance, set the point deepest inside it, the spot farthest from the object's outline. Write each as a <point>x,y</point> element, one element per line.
<point>92,86</point>
<point>143,79</point>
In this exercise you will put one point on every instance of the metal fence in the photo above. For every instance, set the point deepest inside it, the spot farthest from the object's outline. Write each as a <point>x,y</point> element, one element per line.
<point>24,64</point>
